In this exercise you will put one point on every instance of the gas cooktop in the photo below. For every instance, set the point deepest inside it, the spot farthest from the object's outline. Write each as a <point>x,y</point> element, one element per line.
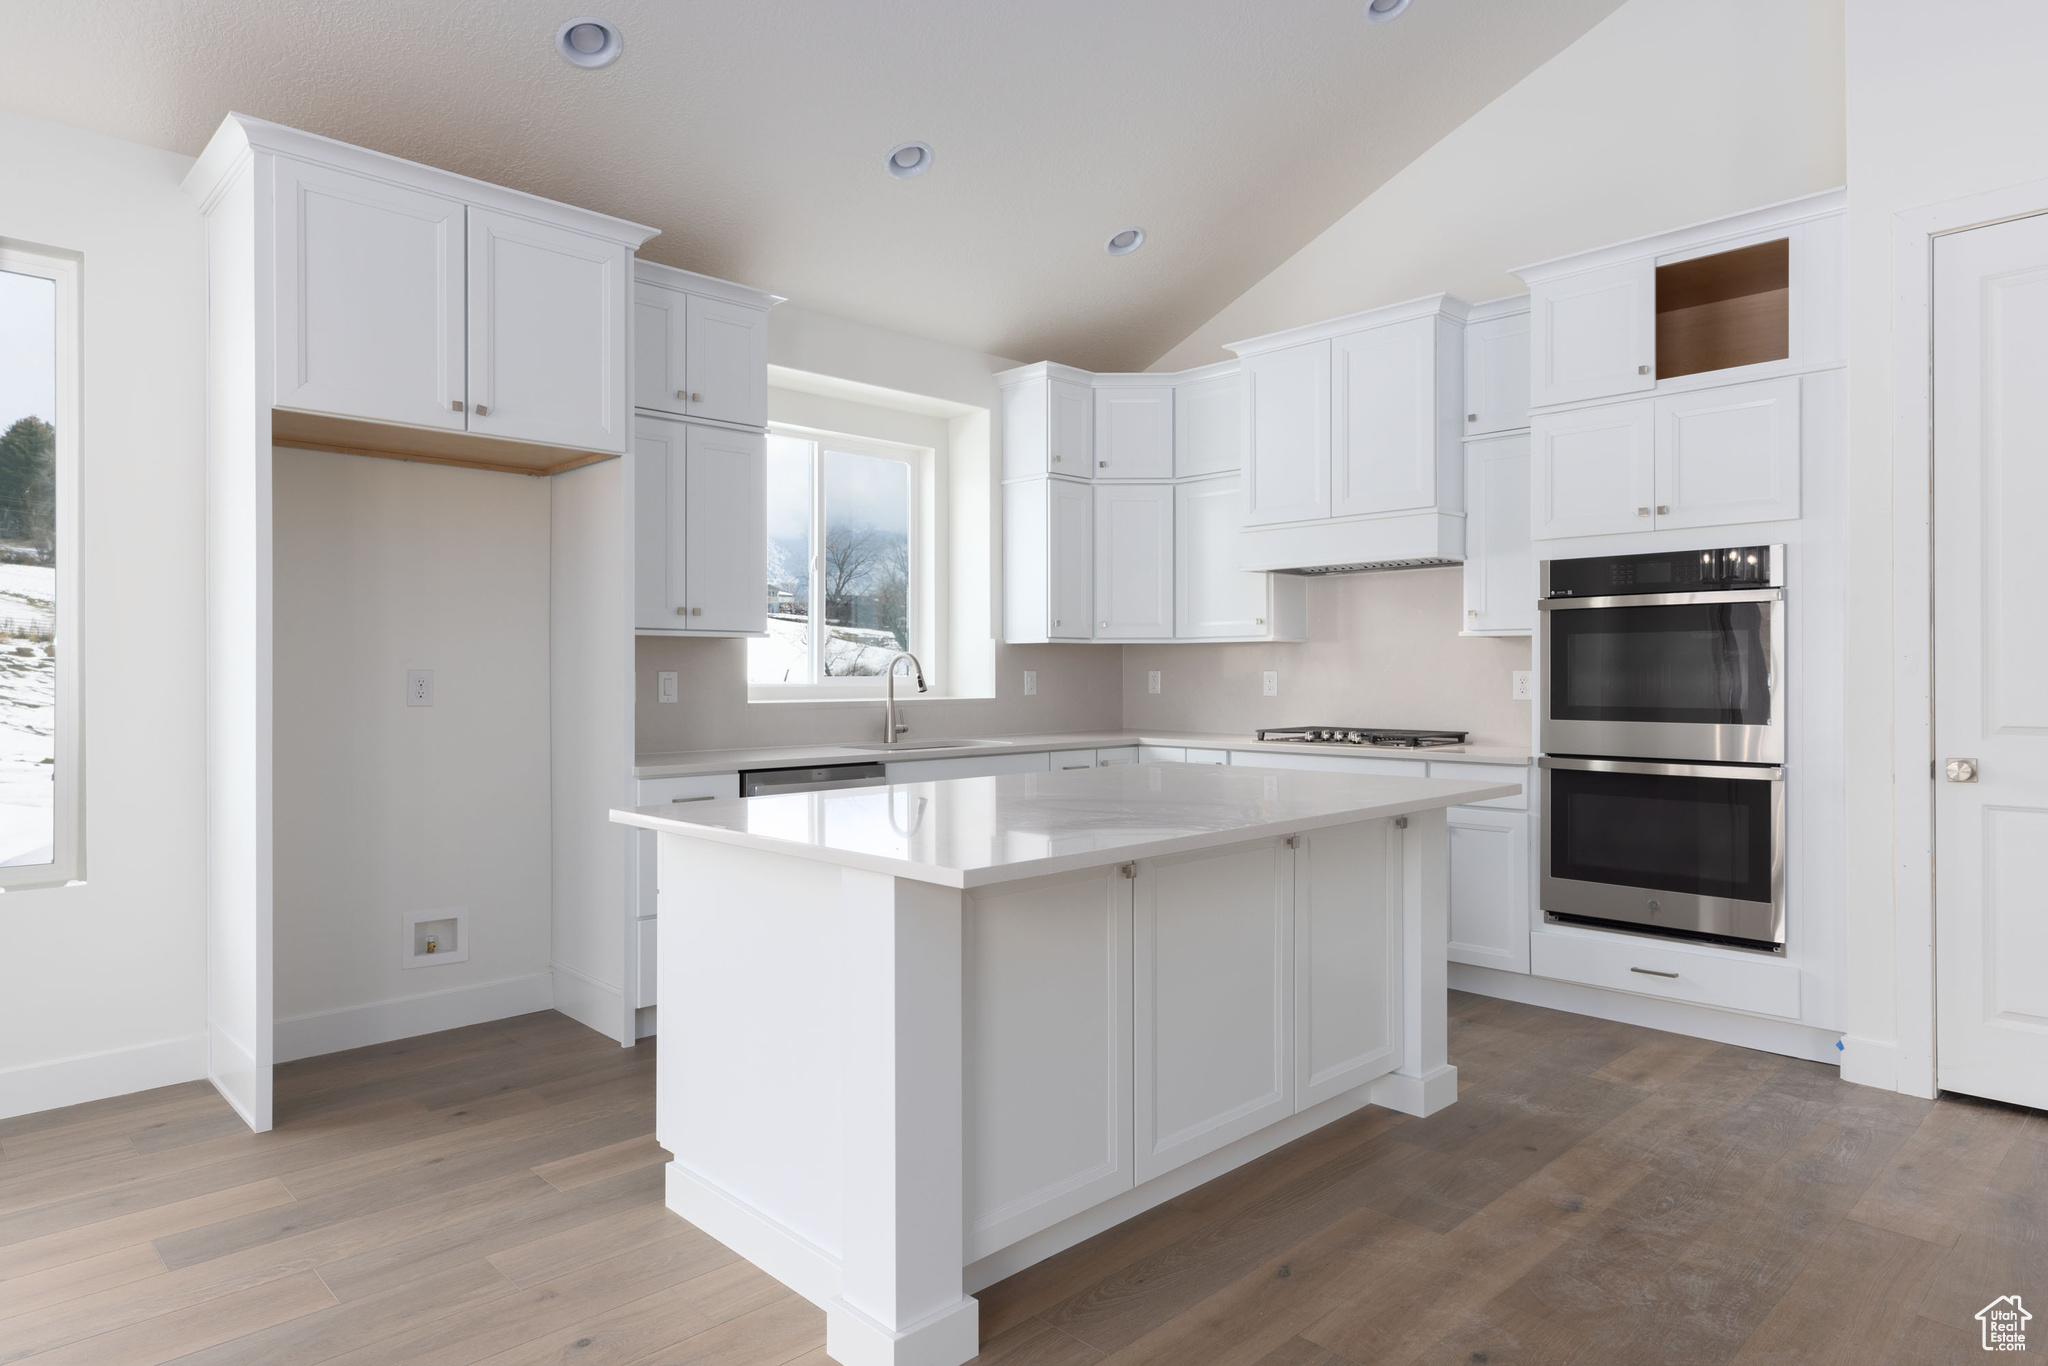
<point>1359,735</point>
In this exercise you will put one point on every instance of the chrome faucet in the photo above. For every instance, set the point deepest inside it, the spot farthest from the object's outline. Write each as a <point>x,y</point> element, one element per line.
<point>891,727</point>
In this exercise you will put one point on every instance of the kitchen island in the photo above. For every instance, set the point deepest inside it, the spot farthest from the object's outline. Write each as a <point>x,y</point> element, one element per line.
<point>918,1037</point>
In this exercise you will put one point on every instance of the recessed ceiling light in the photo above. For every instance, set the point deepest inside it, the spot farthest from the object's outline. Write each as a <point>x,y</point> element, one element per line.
<point>1380,11</point>
<point>907,159</point>
<point>589,42</point>
<point>1125,242</point>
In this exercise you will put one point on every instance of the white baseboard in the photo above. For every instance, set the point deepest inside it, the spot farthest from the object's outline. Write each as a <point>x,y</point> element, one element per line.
<point>1674,1017</point>
<point>591,1003</point>
<point>330,1031</point>
<point>96,1076</point>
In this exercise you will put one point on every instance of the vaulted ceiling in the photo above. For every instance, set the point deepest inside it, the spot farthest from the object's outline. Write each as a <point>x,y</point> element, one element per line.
<point>753,132</point>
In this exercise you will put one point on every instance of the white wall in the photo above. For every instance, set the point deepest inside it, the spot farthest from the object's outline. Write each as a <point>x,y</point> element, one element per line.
<point>105,982</point>
<point>1667,112</point>
<point>383,808</point>
<point>1941,105</point>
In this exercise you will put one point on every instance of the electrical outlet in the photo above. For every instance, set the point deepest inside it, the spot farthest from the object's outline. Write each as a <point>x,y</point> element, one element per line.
<point>665,686</point>
<point>1031,682</point>
<point>1524,686</point>
<point>1272,683</point>
<point>419,687</point>
<point>1152,681</point>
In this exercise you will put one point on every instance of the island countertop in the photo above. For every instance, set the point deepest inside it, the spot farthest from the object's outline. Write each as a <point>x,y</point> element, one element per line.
<point>974,832</point>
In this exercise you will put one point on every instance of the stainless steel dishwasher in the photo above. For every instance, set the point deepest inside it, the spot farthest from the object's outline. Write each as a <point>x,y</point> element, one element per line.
<point>769,782</point>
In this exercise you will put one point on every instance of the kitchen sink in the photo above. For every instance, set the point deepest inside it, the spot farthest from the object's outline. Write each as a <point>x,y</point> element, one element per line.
<point>879,748</point>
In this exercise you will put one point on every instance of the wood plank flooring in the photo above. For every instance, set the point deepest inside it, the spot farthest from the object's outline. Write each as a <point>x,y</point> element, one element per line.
<point>491,1196</point>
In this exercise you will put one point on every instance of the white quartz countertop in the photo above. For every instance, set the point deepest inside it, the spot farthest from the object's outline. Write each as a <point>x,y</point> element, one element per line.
<point>972,832</point>
<point>691,763</point>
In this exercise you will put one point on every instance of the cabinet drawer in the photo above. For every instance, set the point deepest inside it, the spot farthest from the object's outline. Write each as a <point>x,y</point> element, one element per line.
<point>1489,773</point>
<point>1647,968</point>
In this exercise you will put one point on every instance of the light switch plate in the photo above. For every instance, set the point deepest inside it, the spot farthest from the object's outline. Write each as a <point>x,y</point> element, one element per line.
<point>419,687</point>
<point>1272,683</point>
<point>665,686</point>
<point>1524,687</point>
<point>1152,681</point>
<point>1031,682</point>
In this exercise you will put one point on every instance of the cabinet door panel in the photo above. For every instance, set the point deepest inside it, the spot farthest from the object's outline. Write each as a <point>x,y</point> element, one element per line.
<point>1212,596</point>
<point>725,536</point>
<point>1213,1031</point>
<point>1046,1014</point>
<point>1071,559</point>
<point>1383,433</point>
<point>1134,433</point>
<point>1208,429</point>
<point>547,333</point>
<point>1497,375</point>
<point>1500,562</point>
<point>1071,433</point>
<point>1593,334</point>
<point>1287,446</point>
<point>1134,560</point>
<point>727,349</point>
<point>660,326</point>
<point>1591,471</point>
<point>1489,889</point>
<point>369,299</point>
<point>1347,960</point>
<point>1729,455</point>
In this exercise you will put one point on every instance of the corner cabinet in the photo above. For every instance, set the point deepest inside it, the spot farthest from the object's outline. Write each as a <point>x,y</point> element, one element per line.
<point>700,518</point>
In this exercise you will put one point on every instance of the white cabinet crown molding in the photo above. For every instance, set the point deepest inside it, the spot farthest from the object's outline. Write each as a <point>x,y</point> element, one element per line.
<point>1691,239</point>
<point>690,282</point>
<point>1443,305</point>
<point>240,135</point>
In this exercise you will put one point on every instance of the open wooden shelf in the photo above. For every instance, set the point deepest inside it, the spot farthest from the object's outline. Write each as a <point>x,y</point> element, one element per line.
<point>1732,308</point>
<point>388,441</point>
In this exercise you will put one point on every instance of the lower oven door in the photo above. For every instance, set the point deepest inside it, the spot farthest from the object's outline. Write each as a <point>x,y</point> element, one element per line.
<point>1688,849</point>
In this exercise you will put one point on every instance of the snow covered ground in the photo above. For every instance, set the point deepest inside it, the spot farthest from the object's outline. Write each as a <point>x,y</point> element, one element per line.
<point>28,711</point>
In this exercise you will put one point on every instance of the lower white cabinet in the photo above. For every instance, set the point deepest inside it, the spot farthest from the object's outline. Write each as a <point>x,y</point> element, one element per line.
<point>1048,560</point>
<point>1489,890</point>
<point>700,513</point>
<point>1133,561</point>
<point>1500,560</point>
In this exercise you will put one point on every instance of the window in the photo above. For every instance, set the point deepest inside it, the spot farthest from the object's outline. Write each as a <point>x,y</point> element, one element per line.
<point>39,771</point>
<point>845,562</point>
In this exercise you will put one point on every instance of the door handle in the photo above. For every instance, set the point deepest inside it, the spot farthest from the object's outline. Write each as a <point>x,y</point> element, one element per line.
<point>1962,770</point>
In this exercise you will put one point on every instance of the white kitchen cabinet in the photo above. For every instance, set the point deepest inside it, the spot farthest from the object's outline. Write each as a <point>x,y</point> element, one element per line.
<point>1347,946</point>
<point>1208,426</point>
<point>1287,421</point>
<point>1500,560</point>
<point>1213,598</point>
<point>1133,432</point>
<point>1592,470</point>
<point>369,299</point>
<point>726,346</point>
<point>1395,421</point>
<point>1497,369</point>
<point>547,333</point>
<point>1728,455</point>
<point>1593,333</point>
<point>1489,891</point>
<point>1133,561</point>
<point>1213,1018</point>
<point>700,508</point>
<point>1048,560</point>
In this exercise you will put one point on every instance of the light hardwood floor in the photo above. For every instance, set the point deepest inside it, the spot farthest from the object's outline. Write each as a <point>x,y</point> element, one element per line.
<point>1600,1193</point>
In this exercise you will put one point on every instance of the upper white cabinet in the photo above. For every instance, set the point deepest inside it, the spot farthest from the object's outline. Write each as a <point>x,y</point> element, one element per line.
<point>370,312</point>
<point>1500,562</point>
<point>547,333</point>
<point>1592,334</point>
<point>1287,434</point>
<point>1134,432</point>
<point>1497,367</point>
<point>1133,561</point>
<point>1213,598</point>
<point>1208,434</point>
<point>700,346</point>
<point>1395,422</point>
<point>700,511</point>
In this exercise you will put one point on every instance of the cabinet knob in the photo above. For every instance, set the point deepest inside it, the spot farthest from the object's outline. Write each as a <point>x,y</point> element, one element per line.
<point>456,404</point>
<point>1663,509</point>
<point>1642,369</point>
<point>1642,512</point>
<point>482,411</point>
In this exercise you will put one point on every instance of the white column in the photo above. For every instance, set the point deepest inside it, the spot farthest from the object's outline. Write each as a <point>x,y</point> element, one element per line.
<point>901,1302</point>
<point>1425,1082</point>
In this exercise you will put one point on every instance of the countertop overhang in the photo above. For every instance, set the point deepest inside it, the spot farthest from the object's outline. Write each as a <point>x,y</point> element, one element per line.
<point>975,832</point>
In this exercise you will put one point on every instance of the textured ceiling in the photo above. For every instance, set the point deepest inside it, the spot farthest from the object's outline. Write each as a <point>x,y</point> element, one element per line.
<point>753,132</point>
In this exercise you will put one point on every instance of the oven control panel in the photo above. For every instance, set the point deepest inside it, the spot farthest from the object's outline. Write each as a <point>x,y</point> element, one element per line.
<point>1671,571</point>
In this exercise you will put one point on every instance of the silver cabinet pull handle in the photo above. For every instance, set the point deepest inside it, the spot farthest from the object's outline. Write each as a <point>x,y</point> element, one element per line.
<point>1652,972</point>
<point>456,404</point>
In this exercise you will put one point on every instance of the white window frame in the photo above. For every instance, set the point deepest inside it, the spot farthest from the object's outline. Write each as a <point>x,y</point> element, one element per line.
<point>923,642</point>
<point>67,863</point>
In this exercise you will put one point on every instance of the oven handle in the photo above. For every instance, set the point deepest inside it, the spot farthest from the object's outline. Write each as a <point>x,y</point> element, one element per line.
<point>1661,599</point>
<point>1755,773</point>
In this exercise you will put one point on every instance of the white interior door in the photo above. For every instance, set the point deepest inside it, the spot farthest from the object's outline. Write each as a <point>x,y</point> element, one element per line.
<point>1991,654</point>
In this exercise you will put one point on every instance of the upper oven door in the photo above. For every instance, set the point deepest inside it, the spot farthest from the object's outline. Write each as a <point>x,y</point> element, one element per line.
<point>1666,676</point>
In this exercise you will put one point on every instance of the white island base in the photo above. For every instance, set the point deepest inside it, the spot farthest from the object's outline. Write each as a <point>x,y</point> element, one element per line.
<point>917,1038</point>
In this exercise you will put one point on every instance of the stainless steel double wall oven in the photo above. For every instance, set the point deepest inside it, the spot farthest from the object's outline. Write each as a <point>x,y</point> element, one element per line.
<point>1663,738</point>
